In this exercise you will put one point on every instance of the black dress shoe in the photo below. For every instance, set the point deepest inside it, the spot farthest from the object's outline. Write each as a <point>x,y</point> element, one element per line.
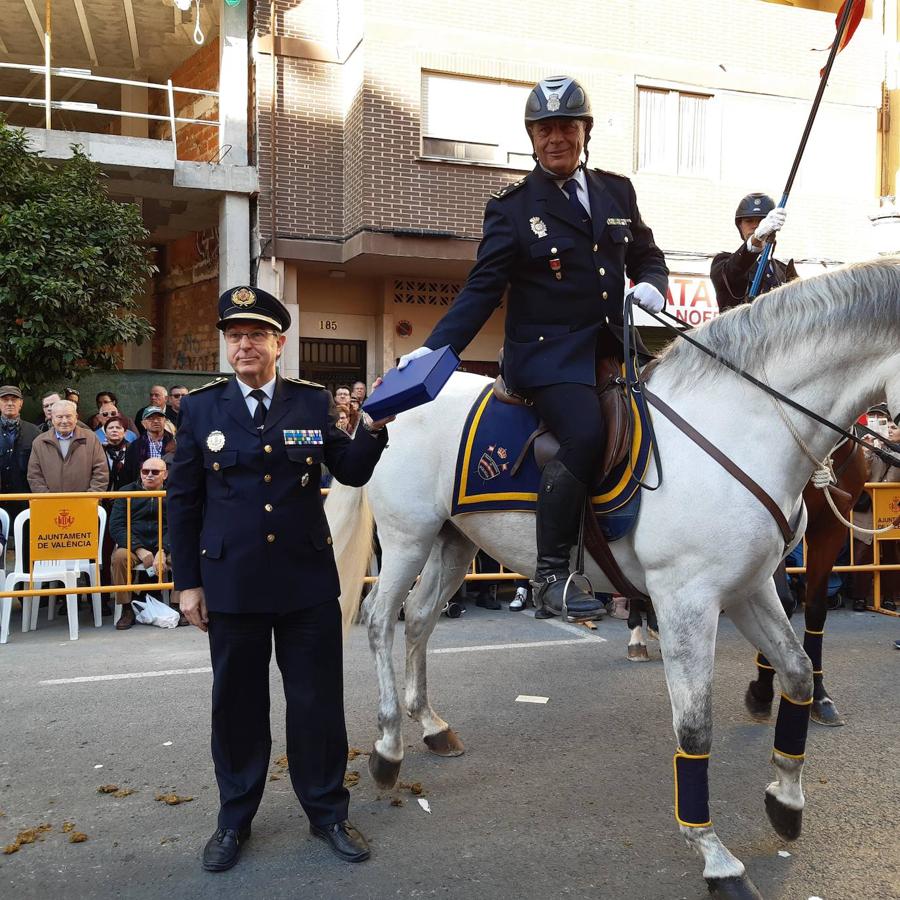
<point>223,848</point>
<point>344,839</point>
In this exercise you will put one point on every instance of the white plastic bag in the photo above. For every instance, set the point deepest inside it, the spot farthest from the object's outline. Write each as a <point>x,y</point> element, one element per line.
<point>151,611</point>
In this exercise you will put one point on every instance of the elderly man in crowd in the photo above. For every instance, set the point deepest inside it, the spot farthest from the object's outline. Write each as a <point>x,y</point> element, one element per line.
<point>176,393</point>
<point>154,442</point>
<point>358,392</point>
<point>47,402</point>
<point>145,535</point>
<point>67,457</point>
<point>16,438</point>
<point>159,399</point>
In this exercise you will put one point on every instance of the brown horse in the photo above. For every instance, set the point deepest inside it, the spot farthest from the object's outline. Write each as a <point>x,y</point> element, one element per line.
<point>825,536</point>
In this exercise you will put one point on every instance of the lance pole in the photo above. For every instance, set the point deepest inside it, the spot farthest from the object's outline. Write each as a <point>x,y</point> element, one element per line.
<point>766,253</point>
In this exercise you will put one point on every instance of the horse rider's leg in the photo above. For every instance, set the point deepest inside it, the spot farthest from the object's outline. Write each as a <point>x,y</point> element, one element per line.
<point>761,620</point>
<point>450,558</point>
<point>688,625</point>
<point>573,414</point>
<point>761,692</point>
<point>637,649</point>
<point>402,560</point>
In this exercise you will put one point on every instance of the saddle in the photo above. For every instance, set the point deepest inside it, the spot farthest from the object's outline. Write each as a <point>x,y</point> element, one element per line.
<point>613,404</point>
<point>619,433</point>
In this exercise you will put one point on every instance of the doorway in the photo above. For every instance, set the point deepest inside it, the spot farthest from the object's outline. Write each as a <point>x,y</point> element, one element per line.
<point>332,363</point>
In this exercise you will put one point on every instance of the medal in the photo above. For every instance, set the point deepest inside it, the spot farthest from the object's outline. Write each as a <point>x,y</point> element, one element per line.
<point>538,227</point>
<point>556,268</point>
<point>215,441</point>
<point>303,437</point>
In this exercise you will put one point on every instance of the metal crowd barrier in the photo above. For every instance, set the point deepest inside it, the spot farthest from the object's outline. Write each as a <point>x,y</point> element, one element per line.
<point>876,567</point>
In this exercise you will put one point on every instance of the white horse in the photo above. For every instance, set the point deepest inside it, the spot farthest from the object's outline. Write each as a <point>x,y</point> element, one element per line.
<point>702,542</point>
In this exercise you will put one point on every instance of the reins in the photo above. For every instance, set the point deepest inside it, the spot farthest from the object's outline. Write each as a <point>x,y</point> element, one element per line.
<point>823,478</point>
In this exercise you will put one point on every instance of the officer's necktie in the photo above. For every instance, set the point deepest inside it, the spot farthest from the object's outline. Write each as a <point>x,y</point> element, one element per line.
<point>259,415</point>
<point>571,188</point>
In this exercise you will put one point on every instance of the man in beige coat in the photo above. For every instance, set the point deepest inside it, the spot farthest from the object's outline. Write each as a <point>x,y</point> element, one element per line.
<point>67,457</point>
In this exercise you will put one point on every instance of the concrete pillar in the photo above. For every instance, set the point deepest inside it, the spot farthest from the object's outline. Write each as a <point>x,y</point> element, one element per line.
<point>281,281</point>
<point>233,81</point>
<point>134,99</point>
<point>234,251</point>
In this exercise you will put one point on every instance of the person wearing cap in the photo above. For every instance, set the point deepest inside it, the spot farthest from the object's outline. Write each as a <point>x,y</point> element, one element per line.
<point>758,220</point>
<point>154,442</point>
<point>562,241</point>
<point>16,438</point>
<point>159,399</point>
<point>252,558</point>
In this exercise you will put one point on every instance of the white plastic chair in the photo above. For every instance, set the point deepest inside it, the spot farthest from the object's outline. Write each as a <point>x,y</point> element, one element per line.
<point>46,571</point>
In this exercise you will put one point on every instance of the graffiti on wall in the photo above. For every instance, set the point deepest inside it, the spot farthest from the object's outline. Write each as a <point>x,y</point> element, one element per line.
<point>192,354</point>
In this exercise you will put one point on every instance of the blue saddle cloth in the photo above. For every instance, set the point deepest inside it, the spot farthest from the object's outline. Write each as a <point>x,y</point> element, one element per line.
<point>491,442</point>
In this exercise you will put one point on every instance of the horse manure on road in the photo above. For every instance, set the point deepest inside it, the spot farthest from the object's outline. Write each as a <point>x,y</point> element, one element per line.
<point>115,790</point>
<point>27,836</point>
<point>353,752</point>
<point>172,799</point>
<point>351,779</point>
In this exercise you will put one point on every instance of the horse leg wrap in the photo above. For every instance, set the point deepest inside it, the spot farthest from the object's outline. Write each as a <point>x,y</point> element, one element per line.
<point>762,663</point>
<point>812,644</point>
<point>692,789</point>
<point>791,727</point>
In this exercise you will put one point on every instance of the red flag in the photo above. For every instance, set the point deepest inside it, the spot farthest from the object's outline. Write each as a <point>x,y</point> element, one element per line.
<point>856,14</point>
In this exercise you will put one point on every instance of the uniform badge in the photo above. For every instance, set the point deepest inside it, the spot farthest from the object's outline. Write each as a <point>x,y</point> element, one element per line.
<point>553,102</point>
<point>304,481</point>
<point>215,441</point>
<point>538,227</point>
<point>243,297</point>
<point>618,221</point>
<point>302,437</point>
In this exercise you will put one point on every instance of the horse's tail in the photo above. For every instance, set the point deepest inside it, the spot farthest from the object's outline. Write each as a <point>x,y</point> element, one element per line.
<point>352,526</point>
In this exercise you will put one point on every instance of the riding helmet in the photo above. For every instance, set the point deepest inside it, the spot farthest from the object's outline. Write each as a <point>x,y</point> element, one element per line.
<point>754,206</point>
<point>558,97</point>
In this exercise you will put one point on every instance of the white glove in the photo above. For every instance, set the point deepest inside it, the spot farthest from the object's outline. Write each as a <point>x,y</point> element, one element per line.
<point>407,358</point>
<point>771,224</point>
<point>647,296</point>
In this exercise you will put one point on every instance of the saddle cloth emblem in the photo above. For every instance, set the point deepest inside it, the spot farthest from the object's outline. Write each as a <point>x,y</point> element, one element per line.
<point>488,467</point>
<point>302,437</point>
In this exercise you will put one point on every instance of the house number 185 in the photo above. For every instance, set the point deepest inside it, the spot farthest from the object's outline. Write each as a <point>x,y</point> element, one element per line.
<point>327,325</point>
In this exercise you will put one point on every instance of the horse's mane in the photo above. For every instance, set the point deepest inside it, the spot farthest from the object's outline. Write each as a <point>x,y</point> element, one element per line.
<point>861,299</point>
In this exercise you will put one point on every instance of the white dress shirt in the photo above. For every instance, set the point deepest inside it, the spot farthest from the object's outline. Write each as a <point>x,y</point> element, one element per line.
<point>268,389</point>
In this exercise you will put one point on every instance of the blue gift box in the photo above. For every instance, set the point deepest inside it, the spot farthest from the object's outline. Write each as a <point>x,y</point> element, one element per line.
<point>420,382</point>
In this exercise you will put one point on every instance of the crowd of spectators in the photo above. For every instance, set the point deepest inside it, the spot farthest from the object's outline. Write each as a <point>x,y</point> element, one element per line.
<point>110,452</point>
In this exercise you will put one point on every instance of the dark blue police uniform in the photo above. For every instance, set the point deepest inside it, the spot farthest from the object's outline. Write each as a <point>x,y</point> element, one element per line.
<point>566,279</point>
<point>732,276</point>
<point>247,525</point>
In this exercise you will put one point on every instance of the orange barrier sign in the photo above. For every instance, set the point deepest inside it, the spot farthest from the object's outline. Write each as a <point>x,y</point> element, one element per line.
<point>886,504</point>
<point>64,529</point>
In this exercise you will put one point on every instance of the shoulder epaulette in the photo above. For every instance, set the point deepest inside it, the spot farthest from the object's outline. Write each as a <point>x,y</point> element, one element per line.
<point>311,384</point>
<point>611,174</point>
<point>506,190</point>
<point>209,384</point>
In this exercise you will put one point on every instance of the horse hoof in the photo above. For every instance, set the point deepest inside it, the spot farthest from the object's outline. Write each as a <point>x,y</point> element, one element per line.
<point>445,743</point>
<point>824,712</point>
<point>787,822</point>
<point>638,653</point>
<point>737,887</point>
<point>758,708</point>
<point>384,771</point>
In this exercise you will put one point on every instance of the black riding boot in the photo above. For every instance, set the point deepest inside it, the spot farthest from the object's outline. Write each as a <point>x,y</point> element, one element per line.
<point>560,502</point>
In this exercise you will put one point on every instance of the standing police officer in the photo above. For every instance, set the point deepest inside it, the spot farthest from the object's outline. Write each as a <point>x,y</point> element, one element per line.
<point>562,240</point>
<point>758,220</point>
<point>252,558</point>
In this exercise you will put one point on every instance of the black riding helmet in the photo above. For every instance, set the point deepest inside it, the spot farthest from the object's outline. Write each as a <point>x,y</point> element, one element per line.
<point>559,97</point>
<point>753,206</point>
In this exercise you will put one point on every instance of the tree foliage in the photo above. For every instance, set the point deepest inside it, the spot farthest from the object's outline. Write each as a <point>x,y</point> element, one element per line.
<point>72,264</point>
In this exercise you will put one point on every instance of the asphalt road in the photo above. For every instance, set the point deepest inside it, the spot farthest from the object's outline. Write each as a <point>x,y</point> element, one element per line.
<point>572,798</point>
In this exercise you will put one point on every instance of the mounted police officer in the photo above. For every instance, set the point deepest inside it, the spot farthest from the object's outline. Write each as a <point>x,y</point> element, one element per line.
<point>252,558</point>
<point>562,241</point>
<point>757,220</point>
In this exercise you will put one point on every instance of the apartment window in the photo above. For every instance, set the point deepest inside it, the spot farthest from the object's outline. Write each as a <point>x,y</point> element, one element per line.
<point>677,132</point>
<point>475,120</point>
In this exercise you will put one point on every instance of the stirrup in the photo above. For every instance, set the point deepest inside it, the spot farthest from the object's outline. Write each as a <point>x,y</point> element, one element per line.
<point>565,605</point>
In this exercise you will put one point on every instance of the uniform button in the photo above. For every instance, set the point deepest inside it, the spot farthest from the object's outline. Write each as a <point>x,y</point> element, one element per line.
<point>601,270</point>
<point>216,467</point>
<point>605,295</point>
<point>267,478</point>
<point>267,448</point>
<point>270,538</point>
<point>269,507</point>
<point>554,250</point>
<point>309,460</point>
<point>626,239</point>
<point>328,540</point>
<point>596,248</point>
<point>203,552</point>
